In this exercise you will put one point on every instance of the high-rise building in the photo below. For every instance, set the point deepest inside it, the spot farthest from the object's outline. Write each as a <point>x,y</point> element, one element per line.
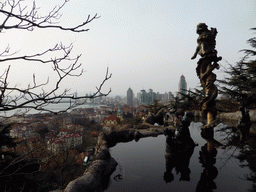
<point>143,97</point>
<point>130,97</point>
<point>182,87</point>
<point>151,96</point>
<point>147,98</point>
<point>170,96</point>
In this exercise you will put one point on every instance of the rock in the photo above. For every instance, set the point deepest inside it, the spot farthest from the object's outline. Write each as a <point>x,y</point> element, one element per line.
<point>120,136</point>
<point>103,154</point>
<point>153,129</point>
<point>94,177</point>
<point>85,183</point>
<point>137,135</point>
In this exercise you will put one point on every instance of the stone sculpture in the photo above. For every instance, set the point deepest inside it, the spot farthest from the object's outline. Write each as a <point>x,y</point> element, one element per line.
<point>170,117</point>
<point>163,117</point>
<point>206,64</point>
<point>158,118</point>
<point>180,139</point>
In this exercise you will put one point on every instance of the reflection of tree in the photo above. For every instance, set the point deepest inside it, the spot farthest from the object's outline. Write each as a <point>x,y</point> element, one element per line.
<point>244,152</point>
<point>244,124</point>
<point>248,154</point>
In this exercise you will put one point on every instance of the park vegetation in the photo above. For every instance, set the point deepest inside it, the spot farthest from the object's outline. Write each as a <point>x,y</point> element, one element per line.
<point>26,165</point>
<point>240,83</point>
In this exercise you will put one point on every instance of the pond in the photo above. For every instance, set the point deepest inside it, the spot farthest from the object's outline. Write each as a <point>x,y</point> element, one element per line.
<point>142,165</point>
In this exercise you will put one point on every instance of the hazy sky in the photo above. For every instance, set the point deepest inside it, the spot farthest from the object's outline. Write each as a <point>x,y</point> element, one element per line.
<point>144,43</point>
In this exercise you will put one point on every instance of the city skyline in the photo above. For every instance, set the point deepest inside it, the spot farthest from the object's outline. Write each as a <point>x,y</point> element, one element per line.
<point>144,44</point>
<point>182,87</point>
<point>125,94</point>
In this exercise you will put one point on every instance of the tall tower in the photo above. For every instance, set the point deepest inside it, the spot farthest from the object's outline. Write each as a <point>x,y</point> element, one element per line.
<point>151,96</point>
<point>130,97</point>
<point>182,87</point>
<point>143,97</point>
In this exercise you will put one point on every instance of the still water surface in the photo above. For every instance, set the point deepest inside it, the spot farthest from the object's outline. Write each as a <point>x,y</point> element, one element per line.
<point>142,166</point>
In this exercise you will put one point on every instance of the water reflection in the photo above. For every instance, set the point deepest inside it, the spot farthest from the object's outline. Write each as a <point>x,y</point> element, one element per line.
<point>207,157</point>
<point>244,151</point>
<point>179,149</point>
<point>178,160</point>
<point>219,163</point>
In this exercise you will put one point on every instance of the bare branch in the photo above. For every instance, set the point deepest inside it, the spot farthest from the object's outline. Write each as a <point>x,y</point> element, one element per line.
<point>16,15</point>
<point>40,101</point>
<point>32,19</point>
<point>37,57</point>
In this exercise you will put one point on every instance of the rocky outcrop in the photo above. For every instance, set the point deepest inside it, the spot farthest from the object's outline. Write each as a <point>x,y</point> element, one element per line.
<point>237,115</point>
<point>96,177</point>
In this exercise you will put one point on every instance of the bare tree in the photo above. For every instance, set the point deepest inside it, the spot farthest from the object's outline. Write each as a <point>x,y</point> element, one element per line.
<point>16,14</point>
<point>20,15</point>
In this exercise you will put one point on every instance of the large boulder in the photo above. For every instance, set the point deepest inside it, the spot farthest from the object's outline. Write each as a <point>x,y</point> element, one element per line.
<point>119,136</point>
<point>95,179</point>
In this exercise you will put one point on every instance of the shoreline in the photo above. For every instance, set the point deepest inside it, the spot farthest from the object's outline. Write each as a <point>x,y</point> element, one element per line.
<point>235,116</point>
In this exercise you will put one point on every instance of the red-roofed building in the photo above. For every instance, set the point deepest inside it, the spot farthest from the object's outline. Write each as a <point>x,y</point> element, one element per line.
<point>111,121</point>
<point>65,142</point>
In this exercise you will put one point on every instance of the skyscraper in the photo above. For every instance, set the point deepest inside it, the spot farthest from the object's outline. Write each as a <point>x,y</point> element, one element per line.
<point>182,87</point>
<point>130,97</point>
<point>151,96</point>
<point>143,97</point>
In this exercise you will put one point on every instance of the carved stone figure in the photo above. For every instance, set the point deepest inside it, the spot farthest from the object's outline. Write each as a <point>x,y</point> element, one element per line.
<point>206,64</point>
<point>163,117</point>
<point>180,140</point>
<point>170,118</point>
<point>206,41</point>
<point>158,118</point>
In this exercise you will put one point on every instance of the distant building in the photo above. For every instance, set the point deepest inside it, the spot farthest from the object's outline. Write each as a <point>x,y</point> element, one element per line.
<point>129,97</point>
<point>119,114</point>
<point>164,97</point>
<point>65,142</point>
<point>182,87</point>
<point>147,98</point>
<point>111,121</point>
<point>170,96</point>
<point>151,96</point>
<point>143,97</point>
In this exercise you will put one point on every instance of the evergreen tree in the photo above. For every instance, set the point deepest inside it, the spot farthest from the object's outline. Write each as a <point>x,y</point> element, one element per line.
<point>240,84</point>
<point>14,167</point>
<point>191,99</point>
<point>6,142</point>
<point>155,107</point>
